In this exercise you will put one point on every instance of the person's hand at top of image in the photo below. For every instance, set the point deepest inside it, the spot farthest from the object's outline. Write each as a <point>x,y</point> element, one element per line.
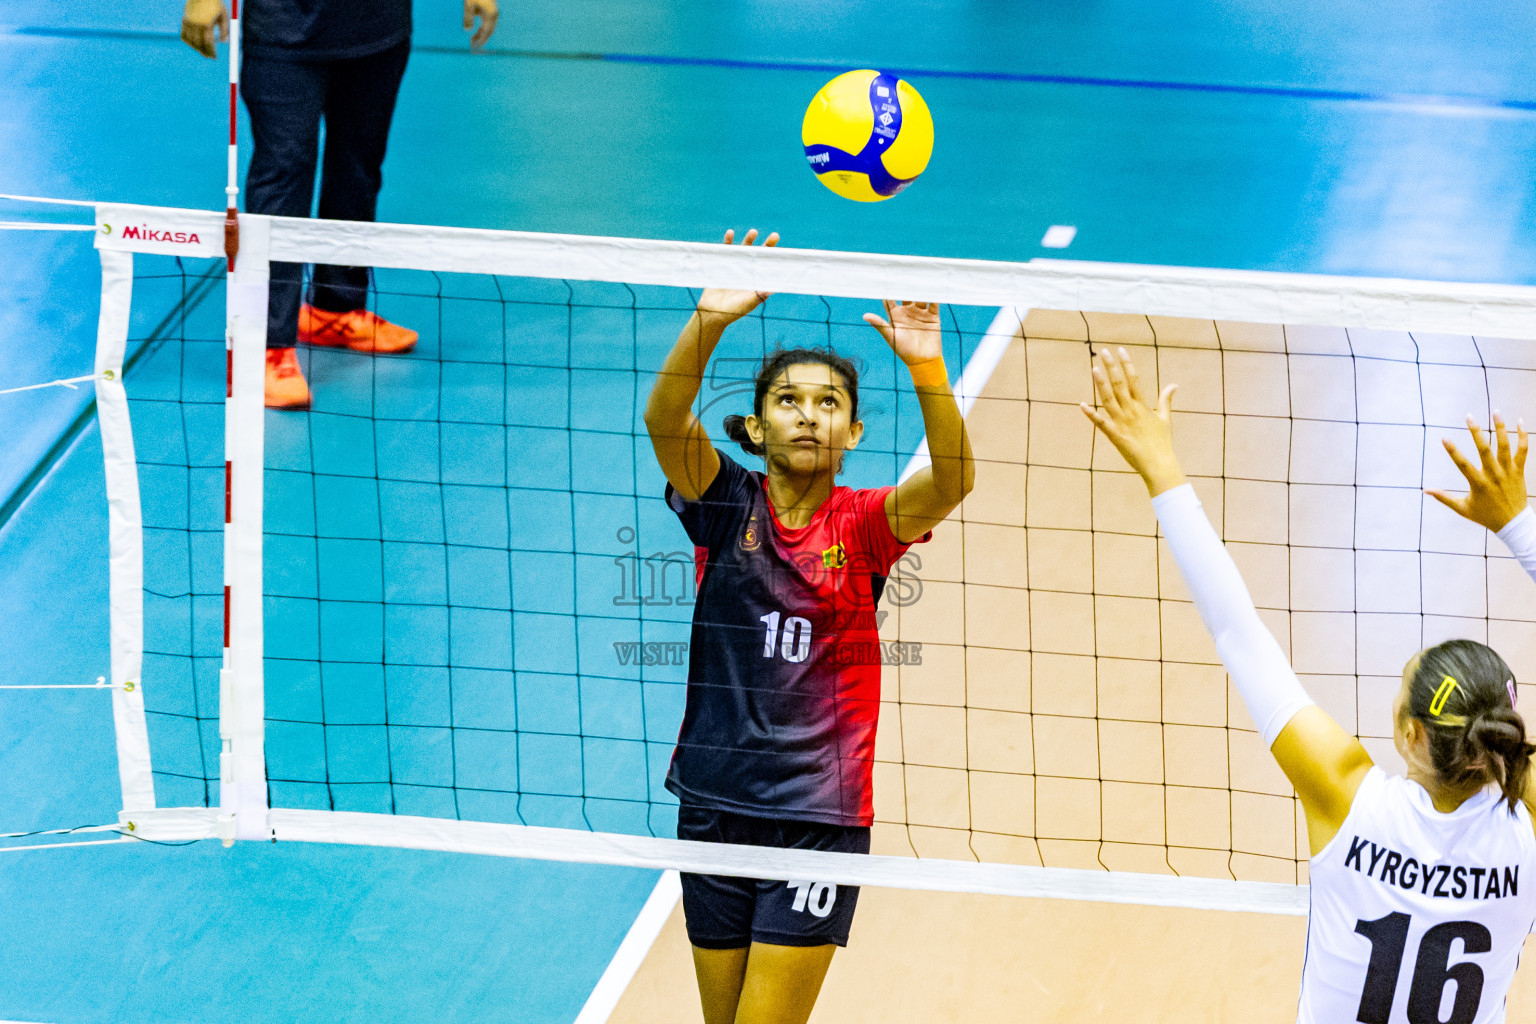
<point>204,22</point>
<point>487,12</point>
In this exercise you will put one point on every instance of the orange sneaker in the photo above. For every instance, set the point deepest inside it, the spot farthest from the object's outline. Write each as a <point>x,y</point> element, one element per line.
<point>358,329</point>
<point>285,380</point>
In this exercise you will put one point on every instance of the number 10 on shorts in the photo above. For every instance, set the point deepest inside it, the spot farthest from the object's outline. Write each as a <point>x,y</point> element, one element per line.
<point>817,897</point>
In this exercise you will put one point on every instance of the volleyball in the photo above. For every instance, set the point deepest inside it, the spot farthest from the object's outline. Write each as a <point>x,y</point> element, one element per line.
<point>867,135</point>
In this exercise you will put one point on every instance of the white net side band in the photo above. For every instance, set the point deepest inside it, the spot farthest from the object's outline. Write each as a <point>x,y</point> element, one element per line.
<point>125,531</point>
<point>935,875</point>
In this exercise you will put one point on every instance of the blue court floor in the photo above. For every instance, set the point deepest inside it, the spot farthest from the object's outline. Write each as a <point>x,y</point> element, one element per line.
<point>1351,138</point>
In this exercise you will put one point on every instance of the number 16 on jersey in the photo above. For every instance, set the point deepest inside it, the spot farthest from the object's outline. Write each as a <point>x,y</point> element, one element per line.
<point>1432,970</point>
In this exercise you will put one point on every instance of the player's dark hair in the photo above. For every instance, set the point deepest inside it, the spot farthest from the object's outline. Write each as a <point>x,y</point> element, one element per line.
<point>1462,692</point>
<point>775,363</point>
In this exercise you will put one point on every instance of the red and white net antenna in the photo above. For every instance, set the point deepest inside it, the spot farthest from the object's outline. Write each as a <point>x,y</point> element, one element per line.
<point>231,250</point>
<point>232,186</point>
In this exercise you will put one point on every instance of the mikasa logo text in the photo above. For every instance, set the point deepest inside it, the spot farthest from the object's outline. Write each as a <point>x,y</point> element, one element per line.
<point>144,232</point>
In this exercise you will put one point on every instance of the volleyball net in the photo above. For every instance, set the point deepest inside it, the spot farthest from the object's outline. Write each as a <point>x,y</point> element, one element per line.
<point>447,608</point>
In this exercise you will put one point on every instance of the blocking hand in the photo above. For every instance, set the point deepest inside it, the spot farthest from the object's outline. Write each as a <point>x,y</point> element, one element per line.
<point>1498,485</point>
<point>1139,432</point>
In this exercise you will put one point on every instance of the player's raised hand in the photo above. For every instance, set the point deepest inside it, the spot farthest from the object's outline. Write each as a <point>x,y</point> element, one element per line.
<point>1497,486</point>
<point>1141,433</point>
<point>912,330</point>
<point>723,306</point>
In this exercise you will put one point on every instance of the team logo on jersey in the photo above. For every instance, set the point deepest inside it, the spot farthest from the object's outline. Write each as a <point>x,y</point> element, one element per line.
<point>749,538</point>
<point>834,557</point>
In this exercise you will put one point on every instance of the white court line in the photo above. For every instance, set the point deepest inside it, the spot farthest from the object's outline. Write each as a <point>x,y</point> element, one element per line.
<point>643,933</point>
<point>1058,236</point>
<point>632,951</point>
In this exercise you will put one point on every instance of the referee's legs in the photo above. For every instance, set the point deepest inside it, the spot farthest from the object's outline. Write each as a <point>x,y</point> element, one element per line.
<point>359,106</point>
<point>284,99</point>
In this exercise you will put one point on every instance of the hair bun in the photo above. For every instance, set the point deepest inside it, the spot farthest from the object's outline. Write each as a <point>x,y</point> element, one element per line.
<point>1495,744</point>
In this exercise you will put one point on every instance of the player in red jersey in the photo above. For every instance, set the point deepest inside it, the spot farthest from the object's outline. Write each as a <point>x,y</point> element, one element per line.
<point>777,742</point>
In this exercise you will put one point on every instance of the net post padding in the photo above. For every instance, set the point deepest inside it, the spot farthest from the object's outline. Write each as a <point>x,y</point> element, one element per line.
<point>125,534</point>
<point>1253,296</point>
<point>243,775</point>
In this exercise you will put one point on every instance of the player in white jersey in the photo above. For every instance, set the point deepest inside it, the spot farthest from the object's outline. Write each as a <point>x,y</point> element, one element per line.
<point>1423,888</point>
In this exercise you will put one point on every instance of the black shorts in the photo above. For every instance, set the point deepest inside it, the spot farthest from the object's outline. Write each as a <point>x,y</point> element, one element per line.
<point>731,913</point>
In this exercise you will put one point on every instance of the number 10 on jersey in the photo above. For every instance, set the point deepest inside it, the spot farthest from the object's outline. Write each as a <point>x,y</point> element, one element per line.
<point>793,643</point>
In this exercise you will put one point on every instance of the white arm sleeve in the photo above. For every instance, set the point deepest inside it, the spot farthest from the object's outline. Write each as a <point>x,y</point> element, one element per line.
<point>1252,658</point>
<point>1519,535</point>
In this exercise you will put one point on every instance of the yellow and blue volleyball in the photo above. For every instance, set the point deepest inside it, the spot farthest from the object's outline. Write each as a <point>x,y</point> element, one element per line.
<point>867,135</point>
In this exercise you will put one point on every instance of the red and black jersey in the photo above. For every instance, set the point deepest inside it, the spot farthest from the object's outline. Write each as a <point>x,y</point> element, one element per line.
<point>784,659</point>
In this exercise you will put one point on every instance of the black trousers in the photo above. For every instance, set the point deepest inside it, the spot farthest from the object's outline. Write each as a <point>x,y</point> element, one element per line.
<point>286,101</point>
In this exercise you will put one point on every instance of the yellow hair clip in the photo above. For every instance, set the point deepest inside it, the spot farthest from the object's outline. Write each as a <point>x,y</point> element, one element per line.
<point>1442,694</point>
